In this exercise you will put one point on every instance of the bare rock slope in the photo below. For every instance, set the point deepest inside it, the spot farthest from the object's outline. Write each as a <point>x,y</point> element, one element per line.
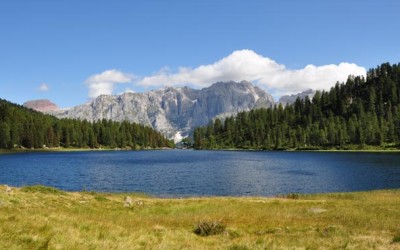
<point>290,99</point>
<point>42,105</point>
<point>171,110</point>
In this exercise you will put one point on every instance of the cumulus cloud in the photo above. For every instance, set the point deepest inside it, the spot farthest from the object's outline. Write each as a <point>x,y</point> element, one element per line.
<point>44,87</point>
<point>104,83</point>
<point>250,66</point>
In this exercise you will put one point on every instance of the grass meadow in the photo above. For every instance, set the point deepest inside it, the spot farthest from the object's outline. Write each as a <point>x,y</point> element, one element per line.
<point>39,217</point>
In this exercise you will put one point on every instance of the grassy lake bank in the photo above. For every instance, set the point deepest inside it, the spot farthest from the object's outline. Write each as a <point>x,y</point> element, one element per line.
<point>40,218</point>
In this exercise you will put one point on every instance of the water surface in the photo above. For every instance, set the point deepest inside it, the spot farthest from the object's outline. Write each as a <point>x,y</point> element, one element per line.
<point>176,173</point>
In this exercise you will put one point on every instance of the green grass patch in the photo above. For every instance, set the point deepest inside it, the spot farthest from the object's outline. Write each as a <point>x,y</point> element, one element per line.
<point>238,247</point>
<point>100,198</point>
<point>42,189</point>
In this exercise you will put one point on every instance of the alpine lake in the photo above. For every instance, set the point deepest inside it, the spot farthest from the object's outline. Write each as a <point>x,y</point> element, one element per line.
<point>189,173</point>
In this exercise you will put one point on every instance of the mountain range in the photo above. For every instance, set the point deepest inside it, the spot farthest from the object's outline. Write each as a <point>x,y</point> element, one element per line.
<point>170,110</point>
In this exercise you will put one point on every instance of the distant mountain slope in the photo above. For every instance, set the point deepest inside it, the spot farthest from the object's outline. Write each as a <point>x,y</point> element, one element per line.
<point>42,105</point>
<point>173,110</point>
<point>290,99</point>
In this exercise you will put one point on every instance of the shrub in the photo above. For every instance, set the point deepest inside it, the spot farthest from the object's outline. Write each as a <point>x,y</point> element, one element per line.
<point>206,228</point>
<point>293,196</point>
<point>396,238</point>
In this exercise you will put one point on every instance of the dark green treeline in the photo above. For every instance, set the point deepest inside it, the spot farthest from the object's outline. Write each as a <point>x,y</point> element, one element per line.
<point>357,113</point>
<point>22,127</point>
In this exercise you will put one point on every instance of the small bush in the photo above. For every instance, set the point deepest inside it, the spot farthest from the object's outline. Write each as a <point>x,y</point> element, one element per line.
<point>396,238</point>
<point>206,228</point>
<point>42,189</point>
<point>293,196</point>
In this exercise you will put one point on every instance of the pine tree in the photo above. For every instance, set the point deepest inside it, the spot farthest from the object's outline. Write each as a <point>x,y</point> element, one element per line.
<point>5,138</point>
<point>360,111</point>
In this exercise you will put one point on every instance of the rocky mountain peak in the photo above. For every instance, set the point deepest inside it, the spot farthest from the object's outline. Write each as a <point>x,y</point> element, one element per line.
<point>173,110</point>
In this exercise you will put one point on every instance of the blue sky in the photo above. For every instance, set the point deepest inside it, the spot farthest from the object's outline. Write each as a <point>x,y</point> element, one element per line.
<point>69,51</point>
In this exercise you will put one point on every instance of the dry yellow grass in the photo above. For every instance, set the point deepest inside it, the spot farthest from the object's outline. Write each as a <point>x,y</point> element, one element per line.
<point>45,218</point>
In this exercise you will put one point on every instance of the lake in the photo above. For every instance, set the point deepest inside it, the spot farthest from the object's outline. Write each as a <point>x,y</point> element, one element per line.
<point>182,173</point>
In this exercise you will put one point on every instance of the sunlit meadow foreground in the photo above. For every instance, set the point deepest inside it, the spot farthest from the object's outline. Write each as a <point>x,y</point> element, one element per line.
<point>40,217</point>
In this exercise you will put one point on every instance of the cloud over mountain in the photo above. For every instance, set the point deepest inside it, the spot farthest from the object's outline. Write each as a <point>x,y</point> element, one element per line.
<point>240,65</point>
<point>104,83</point>
<point>250,66</point>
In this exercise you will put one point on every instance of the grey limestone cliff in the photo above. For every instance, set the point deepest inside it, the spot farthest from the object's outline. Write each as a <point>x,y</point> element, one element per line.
<point>171,110</point>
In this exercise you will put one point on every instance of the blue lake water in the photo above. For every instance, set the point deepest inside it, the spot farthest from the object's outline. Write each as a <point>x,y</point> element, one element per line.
<point>180,173</point>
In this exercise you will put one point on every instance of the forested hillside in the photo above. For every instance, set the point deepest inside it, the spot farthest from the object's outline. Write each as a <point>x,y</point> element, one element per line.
<point>354,114</point>
<point>24,128</point>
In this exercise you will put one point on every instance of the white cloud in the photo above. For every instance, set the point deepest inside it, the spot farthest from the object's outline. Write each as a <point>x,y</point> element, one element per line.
<point>103,83</point>
<point>127,90</point>
<point>44,87</point>
<point>247,65</point>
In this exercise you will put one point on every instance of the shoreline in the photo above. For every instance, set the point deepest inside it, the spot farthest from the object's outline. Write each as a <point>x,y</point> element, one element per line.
<point>311,150</point>
<point>55,150</point>
<point>151,196</point>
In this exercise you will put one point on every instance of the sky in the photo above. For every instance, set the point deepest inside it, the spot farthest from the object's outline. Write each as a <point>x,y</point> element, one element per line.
<point>70,51</point>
